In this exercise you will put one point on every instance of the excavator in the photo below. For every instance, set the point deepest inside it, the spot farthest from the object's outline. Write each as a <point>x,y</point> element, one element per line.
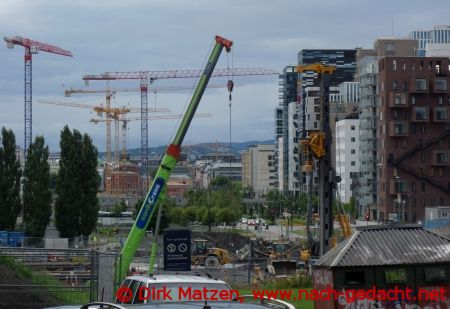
<point>168,162</point>
<point>316,155</point>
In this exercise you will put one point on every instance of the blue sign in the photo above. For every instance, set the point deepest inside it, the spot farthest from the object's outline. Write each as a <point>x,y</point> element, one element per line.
<point>177,250</point>
<point>150,202</point>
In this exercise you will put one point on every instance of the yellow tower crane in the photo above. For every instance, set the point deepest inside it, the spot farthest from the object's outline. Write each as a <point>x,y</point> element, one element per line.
<point>111,113</point>
<point>125,121</point>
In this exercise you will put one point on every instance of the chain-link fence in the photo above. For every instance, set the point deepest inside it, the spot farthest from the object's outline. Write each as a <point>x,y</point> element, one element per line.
<point>35,277</point>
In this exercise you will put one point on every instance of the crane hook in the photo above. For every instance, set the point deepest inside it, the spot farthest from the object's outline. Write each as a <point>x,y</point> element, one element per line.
<point>230,86</point>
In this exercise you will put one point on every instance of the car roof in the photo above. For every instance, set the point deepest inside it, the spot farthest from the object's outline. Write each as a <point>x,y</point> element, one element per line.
<point>186,305</point>
<point>175,278</point>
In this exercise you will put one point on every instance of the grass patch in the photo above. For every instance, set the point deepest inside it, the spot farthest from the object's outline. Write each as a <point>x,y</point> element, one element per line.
<point>55,288</point>
<point>288,291</point>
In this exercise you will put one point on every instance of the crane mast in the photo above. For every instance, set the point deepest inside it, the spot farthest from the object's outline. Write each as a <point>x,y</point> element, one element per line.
<point>168,162</point>
<point>31,47</point>
<point>318,145</point>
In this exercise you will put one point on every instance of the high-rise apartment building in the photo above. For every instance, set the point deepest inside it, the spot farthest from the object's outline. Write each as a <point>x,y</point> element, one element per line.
<point>413,136</point>
<point>344,61</point>
<point>287,93</point>
<point>367,76</point>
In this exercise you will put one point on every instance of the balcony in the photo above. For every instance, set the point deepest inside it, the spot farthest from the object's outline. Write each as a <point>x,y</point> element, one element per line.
<point>420,114</point>
<point>418,85</point>
<point>440,84</point>
<point>440,114</point>
<point>440,158</point>
<point>398,128</point>
<point>398,100</point>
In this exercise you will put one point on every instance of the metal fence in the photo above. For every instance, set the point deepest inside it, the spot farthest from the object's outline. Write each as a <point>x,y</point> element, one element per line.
<point>36,277</point>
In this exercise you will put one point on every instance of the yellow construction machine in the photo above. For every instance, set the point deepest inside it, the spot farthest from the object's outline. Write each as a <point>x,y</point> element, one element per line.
<point>210,257</point>
<point>315,156</point>
<point>281,262</point>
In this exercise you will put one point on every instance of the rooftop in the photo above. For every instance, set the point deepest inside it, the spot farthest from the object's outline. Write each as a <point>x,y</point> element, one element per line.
<point>388,245</point>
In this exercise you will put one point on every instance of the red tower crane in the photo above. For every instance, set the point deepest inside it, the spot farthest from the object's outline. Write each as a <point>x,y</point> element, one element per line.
<point>147,77</point>
<point>31,47</point>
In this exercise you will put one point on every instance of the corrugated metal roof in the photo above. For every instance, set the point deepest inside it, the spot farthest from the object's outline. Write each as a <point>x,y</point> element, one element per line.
<point>388,245</point>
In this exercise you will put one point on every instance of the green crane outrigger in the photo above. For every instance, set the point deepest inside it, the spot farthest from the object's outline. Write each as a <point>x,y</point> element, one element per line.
<point>168,162</point>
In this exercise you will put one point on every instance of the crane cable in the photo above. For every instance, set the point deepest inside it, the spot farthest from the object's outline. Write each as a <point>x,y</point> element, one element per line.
<point>230,86</point>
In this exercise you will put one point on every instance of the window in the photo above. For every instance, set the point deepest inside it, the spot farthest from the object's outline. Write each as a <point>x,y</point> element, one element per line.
<point>422,184</point>
<point>413,128</point>
<point>422,157</point>
<point>389,47</point>
<point>398,100</point>
<point>441,157</point>
<point>394,85</point>
<point>404,88</point>
<point>394,65</point>
<point>352,128</point>
<point>353,163</point>
<point>441,84</point>
<point>441,113</point>
<point>353,151</point>
<point>440,100</point>
<point>421,113</point>
<point>413,100</point>
<point>353,139</point>
<point>355,278</point>
<point>400,128</point>
<point>401,186</point>
<point>435,273</point>
<point>421,84</point>
<point>398,275</point>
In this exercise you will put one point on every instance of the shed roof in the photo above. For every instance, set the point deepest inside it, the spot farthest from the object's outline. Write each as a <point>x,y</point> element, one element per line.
<point>388,245</point>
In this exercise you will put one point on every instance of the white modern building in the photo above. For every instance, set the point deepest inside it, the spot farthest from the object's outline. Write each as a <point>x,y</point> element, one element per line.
<point>278,158</point>
<point>438,35</point>
<point>258,168</point>
<point>347,155</point>
<point>53,162</point>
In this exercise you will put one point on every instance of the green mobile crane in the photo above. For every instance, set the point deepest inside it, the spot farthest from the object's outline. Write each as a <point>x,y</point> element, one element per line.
<point>168,162</point>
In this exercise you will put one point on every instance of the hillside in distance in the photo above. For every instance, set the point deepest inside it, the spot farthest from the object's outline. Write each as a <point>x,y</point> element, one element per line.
<point>202,149</point>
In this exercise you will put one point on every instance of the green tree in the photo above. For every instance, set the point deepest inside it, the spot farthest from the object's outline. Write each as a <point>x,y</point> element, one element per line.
<point>189,214</point>
<point>118,208</point>
<point>90,180</point>
<point>10,203</point>
<point>37,197</point>
<point>76,206</point>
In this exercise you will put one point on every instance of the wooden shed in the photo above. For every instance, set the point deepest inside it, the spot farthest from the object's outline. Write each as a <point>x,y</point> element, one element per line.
<point>408,262</point>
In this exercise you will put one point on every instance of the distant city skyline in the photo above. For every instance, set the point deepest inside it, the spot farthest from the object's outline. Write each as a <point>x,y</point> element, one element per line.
<point>164,35</point>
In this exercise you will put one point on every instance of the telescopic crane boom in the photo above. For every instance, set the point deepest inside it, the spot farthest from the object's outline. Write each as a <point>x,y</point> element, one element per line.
<point>168,162</point>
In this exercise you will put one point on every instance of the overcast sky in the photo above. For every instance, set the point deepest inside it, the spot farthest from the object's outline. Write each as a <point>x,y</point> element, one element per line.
<point>133,35</point>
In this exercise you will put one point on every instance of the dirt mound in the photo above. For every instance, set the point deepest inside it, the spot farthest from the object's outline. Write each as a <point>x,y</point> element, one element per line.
<point>15,292</point>
<point>224,240</point>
